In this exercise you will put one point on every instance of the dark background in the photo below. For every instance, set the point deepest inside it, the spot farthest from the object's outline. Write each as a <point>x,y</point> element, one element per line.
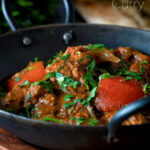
<point>35,12</point>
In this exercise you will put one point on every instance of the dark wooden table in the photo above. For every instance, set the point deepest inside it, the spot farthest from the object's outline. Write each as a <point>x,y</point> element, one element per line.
<point>9,142</point>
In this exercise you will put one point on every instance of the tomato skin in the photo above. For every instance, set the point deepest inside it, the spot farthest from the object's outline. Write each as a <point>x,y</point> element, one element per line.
<point>114,93</point>
<point>36,74</point>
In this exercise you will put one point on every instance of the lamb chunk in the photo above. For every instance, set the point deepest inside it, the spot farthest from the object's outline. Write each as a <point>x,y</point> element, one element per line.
<point>104,56</point>
<point>133,120</point>
<point>46,105</point>
<point>73,67</point>
<point>35,92</point>
<point>124,52</point>
<point>14,98</point>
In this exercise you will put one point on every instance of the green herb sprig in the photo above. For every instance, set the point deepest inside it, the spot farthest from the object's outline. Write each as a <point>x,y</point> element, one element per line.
<point>48,118</point>
<point>81,120</point>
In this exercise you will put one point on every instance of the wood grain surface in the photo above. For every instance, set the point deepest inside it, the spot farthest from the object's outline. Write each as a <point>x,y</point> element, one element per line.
<point>9,142</point>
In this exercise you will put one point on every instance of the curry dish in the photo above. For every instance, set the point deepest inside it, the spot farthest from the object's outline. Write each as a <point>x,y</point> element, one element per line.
<point>85,85</point>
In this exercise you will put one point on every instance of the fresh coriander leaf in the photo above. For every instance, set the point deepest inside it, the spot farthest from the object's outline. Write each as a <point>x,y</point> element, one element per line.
<point>143,65</point>
<point>105,76</point>
<point>36,59</point>
<point>79,121</point>
<point>57,55</point>
<point>62,84</point>
<point>50,61</point>
<point>88,57</point>
<point>67,105</point>
<point>65,57</point>
<point>25,83</point>
<point>35,112</point>
<point>91,66</point>
<point>146,88</point>
<point>17,79</point>
<point>93,121</point>
<point>68,97</point>
<point>58,75</point>
<point>29,110</point>
<point>35,115</point>
<point>29,68</point>
<point>71,82</point>
<point>48,85</point>
<point>92,95</point>
<point>89,80</point>
<point>95,47</point>
<point>49,75</point>
<point>61,67</point>
<point>144,62</point>
<point>47,119</point>
<point>29,96</point>
<point>72,108</point>
<point>132,74</point>
<point>75,84</point>
<point>128,78</point>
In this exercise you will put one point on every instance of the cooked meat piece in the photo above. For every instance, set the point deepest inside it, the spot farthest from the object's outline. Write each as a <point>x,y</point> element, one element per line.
<point>46,105</point>
<point>84,85</point>
<point>14,98</point>
<point>133,120</point>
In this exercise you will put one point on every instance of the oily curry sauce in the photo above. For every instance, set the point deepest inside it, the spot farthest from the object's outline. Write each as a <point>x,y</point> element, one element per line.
<point>85,85</point>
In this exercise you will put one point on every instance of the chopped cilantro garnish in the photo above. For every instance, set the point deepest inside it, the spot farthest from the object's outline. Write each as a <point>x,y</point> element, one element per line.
<point>88,57</point>
<point>29,68</point>
<point>91,66</point>
<point>68,97</point>
<point>143,65</point>
<point>78,120</point>
<point>93,121</point>
<point>25,83</point>
<point>89,80</point>
<point>48,118</point>
<point>130,74</point>
<point>144,62</point>
<point>36,59</point>
<point>58,75</point>
<point>95,47</point>
<point>105,76</point>
<point>50,61</point>
<point>29,110</point>
<point>65,57</point>
<point>49,75</point>
<point>65,81</point>
<point>57,55</point>
<point>17,79</point>
<point>46,84</point>
<point>71,109</point>
<point>128,78</point>
<point>134,75</point>
<point>29,96</point>
<point>67,105</point>
<point>146,88</point>
<point>81,120</point>
<point>92,95</point>
<point>60,68</point>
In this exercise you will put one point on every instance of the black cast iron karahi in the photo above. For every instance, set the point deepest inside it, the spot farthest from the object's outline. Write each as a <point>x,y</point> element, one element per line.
<point>22,45</point>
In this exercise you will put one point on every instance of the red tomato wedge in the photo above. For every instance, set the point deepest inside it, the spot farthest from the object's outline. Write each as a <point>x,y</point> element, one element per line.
<point>32,73</point>
<point>114,93</point>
